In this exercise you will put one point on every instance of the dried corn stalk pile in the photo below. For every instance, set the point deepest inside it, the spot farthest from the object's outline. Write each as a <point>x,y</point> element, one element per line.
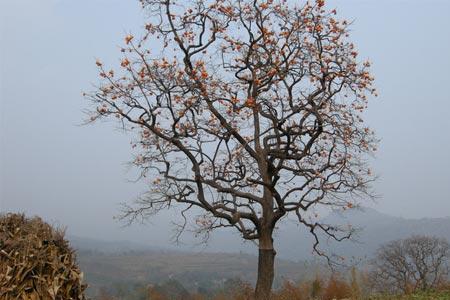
<point>36,262</point>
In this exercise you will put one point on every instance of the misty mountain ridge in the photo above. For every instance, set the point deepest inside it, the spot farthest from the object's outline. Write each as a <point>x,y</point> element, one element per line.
<point>107,247</point>
<point>293,241</point>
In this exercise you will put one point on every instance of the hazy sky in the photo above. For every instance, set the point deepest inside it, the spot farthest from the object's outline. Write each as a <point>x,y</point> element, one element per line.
<point>77,175</point>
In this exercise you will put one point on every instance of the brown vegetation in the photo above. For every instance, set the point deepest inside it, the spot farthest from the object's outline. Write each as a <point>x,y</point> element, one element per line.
<point>335,287</point>
<point>318,289</point>
<point>36,262</point>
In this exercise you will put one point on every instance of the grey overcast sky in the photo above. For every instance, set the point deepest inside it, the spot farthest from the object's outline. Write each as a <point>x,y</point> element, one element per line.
<point>77,175</point>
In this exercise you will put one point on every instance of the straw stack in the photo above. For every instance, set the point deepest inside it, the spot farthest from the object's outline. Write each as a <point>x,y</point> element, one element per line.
<point>36,262</point>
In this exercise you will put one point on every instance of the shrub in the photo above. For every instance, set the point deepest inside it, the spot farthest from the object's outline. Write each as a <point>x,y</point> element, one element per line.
<point>336,289</point>
<point>411,264</point>
<point>289,291</point>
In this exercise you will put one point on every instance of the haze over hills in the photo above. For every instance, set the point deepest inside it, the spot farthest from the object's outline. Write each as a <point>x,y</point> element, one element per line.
<point>121,264</point>
<point>377,228</point>
<point>108,247</point>
<point>293,242</point>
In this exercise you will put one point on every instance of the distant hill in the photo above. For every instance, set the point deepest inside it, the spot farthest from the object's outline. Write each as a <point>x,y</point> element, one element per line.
<point>373,229</point>
<point>98,245</point>
<point>294,242</point>
<point>193,270</point>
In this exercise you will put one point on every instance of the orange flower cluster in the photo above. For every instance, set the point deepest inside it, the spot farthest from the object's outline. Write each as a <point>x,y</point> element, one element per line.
<point>125,62</point>
<point>128,39</point>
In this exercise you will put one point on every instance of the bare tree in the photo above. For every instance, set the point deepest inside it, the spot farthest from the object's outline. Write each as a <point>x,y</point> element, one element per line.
<point>415,263</point>
<point>245,112</point>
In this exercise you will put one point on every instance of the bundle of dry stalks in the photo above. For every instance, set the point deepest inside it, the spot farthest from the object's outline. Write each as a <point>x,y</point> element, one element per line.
<point>36,262</point>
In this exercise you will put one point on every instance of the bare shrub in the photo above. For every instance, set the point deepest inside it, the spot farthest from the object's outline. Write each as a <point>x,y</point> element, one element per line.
<point>408,265</point>
<point>336,288</point>
<point>290,291</point>
<point>316,287</point>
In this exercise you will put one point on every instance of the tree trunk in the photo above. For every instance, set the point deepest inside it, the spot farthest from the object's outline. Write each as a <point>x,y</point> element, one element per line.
<point>266,255</point>
<point>266,273</point>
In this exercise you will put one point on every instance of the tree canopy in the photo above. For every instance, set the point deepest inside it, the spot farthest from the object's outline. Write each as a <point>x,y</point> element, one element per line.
<point>246,110</point>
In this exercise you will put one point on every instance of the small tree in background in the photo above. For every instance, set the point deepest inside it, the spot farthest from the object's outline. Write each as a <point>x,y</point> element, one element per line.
<point>415,263</point>
<point>244,112</point>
